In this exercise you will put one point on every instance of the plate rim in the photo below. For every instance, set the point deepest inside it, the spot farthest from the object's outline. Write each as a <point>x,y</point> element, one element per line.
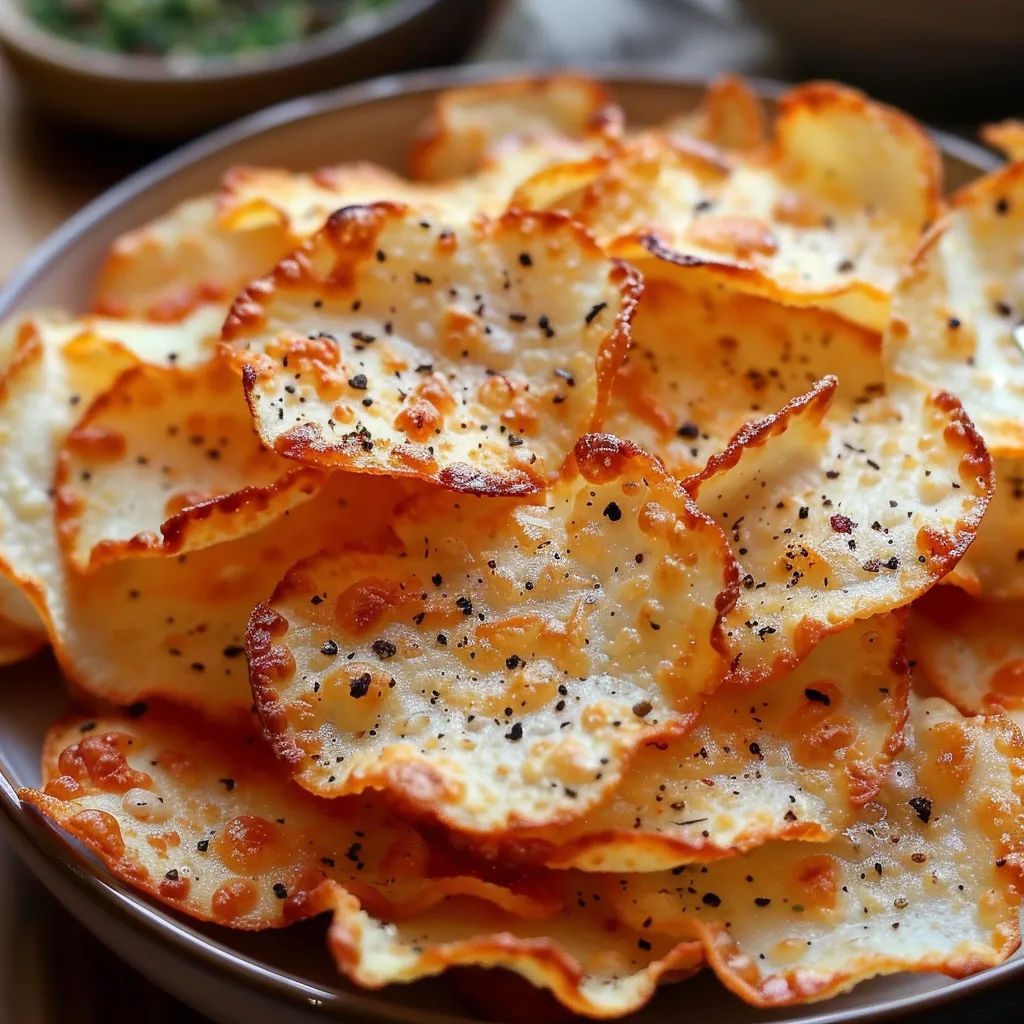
<point>33,837</point>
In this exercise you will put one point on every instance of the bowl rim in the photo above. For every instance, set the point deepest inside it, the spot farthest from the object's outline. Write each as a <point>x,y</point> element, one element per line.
<point>18,30</point>
<point>34,838</point>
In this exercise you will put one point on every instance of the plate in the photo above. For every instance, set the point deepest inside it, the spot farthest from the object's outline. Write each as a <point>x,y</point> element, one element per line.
<point>287,977</point>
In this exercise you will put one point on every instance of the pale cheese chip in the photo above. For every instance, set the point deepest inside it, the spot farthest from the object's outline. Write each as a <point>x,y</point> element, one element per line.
<point>730,115</point>
<point>301,202</point>
<point>705,360</point>
<point>500,670</point>
<point>18,643</point>
<point>824,216</point>
<point>140,627</point>
<point>181,261</point>
<point>167,461</point>
<point>797,758</point>
<point>958,313</point>
<point>390,344</point>
<point>928,881</point>
<point>205,821</point>
<point>994,563</point>
<point>837,514</point>
<point>469,125</point>
<point>972,651</point>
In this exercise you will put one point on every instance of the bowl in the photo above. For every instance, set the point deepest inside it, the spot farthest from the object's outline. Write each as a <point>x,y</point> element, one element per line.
<point>287,977</point>
<point>155,98</point>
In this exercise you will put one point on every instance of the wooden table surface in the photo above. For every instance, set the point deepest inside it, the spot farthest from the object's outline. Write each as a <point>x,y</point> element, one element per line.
<point>50,967</point>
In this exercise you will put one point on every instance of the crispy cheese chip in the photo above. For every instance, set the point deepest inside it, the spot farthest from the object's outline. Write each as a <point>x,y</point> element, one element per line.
<point>730,115</point>
<point>591,963</point>
<point>837,514</point>
<point>205,821</point>
<point>994,564</point>
<point>794,759</point>
<point>957,312</point>
<point>182,261</point>
<point>972,651</point>
<point>824,216</point>
<point>140,627</point>
<point>389,344</point>
<point>500,670</point>
<point>929,881</point>
<point>469,126</point>
<point>1007,136</point>
<point>705,360</point>
<point>18,643</point>
<point>253,197</point>
<point>167,461</point>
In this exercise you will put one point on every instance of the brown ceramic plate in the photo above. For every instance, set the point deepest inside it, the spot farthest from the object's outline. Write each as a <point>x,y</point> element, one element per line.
<point>152,97</point>
<point>286,977</point>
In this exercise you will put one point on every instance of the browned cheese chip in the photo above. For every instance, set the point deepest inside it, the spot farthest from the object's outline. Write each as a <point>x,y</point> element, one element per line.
<point>836,514</point>
<point>797,758</point>
<point>205,821</point>
<point>469,127</point>
<point>972,651</point>
<point>500,671</point>
<point>928,881</point>
<point>165,462</point>
<point>139,627</point>
<point>1007,136</point>
<point>183,261</point>
<point>706,359</point>
<point>730,115</point>
<point>390,344</point>
<point>823,216</point>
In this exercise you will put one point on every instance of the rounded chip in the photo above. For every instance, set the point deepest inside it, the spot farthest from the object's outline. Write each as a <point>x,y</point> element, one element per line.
<point>18,643</point>
<point>836,514</point>
<point>166,461</point>
<point>730,115</point>
<point>972,651</point>
<point>798,758</point>
<point>139,627</point>
<point>591,963</point>
<point>205,821</point>
<point>928,881</point>
<point>252,197</point>
<point>183,260</point>
<point>994,564</point>
<point>391,344</point>
<point>1007,136</point>
<point>500,670</point>
<point>468,126</point>
<point>823,216</point>
<point>705,360</point>
<point>957,313</point>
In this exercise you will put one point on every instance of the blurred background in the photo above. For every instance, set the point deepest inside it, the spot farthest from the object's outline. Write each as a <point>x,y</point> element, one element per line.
<point>90,90</point>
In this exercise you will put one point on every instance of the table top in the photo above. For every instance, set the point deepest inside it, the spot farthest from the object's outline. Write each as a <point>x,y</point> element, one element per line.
<point>49,964</point>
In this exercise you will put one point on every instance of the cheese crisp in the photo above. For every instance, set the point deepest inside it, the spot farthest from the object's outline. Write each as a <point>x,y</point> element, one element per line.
<point>500,669</point>
<point>393,344</point>
<point>546,562</point>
